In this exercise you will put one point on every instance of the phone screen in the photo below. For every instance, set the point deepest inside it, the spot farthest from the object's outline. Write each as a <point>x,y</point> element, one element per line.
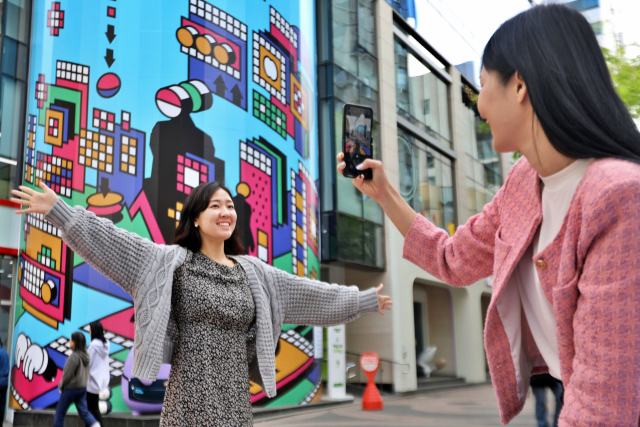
<point>357,139</point>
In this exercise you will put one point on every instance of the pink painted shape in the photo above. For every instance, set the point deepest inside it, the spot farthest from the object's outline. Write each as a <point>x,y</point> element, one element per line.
<point>312,200</point>
<point>204,169</point>
<point>181,168</point>
<point>29,390</point>
<point>180,159</point>
<point>260,185</point>
<point>180,187</point>
<point>187,162</point>
<point>203,178</point>
<point>69,151</point>
<point>290,118</point>
<point>187,190</point>
<point>120,323</point>
<point>277,34</point>
<point>219,39</point>
<point>142,204</point>
<point>37,303</point>
<point>125,125</point>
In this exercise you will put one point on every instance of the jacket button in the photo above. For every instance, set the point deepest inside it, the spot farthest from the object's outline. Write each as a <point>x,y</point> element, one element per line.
<point>541,264</point>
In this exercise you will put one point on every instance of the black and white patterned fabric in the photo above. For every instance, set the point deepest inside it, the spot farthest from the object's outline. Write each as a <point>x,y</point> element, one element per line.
<point>214,309</point>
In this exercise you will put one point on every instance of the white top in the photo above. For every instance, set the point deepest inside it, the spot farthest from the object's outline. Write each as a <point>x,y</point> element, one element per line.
<point>557,194</point>
<point>99,375</point>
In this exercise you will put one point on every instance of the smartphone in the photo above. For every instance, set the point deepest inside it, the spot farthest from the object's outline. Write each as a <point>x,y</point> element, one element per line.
<point>357,140</point>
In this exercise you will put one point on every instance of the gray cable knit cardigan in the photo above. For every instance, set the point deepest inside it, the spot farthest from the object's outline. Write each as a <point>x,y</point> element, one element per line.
<point>145,270</point>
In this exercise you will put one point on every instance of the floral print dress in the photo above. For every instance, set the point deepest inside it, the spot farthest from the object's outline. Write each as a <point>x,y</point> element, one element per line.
<point>214,309</point>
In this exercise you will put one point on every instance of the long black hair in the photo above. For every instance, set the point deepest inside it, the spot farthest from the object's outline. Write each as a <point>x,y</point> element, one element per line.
<point>97,331</point>
<point>187,234</point>
<point>80,341</point>
<point>556,52</point>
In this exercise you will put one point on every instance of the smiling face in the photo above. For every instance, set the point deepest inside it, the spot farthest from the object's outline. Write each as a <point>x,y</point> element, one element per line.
<point>218,220</point>
<point>507,109</point>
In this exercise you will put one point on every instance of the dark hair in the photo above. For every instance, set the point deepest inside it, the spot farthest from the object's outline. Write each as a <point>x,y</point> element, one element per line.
<point>556,52</point>
<point>187,234</point>
<point>80,340</point>
<point>97,331</point>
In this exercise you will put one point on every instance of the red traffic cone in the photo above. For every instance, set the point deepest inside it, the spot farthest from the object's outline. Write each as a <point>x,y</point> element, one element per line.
<point>371,399</point>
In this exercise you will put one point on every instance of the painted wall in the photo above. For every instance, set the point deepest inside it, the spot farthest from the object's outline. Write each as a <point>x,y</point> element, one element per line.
<point>131,106</point>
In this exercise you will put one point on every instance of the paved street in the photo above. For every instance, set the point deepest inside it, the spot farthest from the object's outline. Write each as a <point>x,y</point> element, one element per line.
<point>471,407</point>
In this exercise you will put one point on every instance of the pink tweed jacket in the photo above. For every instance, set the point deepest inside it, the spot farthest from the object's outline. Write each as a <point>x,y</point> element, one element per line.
<point>590,273</point>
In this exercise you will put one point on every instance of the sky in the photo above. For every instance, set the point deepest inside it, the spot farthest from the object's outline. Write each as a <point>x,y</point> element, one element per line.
<point>459,29</point>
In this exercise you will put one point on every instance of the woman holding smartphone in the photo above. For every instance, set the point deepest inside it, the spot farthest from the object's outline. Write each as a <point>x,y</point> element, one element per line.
<point>562,236</point>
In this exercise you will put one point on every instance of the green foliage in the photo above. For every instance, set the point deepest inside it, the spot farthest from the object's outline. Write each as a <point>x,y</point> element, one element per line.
<point>625,73</point>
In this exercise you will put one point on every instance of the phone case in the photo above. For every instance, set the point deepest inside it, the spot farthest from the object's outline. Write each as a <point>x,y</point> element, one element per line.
<point>350,170</point>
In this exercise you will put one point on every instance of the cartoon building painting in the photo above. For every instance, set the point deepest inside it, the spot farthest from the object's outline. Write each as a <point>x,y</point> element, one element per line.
<point>127,127</point>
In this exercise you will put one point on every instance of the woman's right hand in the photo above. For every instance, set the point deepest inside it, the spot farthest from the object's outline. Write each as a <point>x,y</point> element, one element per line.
<point>375,188</point>
<point>38,203</point>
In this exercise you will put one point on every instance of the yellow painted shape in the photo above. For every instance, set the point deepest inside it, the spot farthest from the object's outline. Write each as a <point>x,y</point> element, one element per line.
<point>203,45</point>
<point>100,200</point>
<point>289,360</point>
<point>299,235</point>
<point>40,316</point>
<point>254,388</point>
<point>263,239</point>
<point>36,238</point>
<point>300,269</point>
<point>50,139</point>
<point>13,403</point>
<point>299,203</point>
<point>264,53</point>
<point>185,37</point>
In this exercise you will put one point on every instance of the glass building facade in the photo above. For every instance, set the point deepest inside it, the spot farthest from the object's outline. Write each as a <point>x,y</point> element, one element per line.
<point>15,20</point>
<point>424,131</point>
<point>482,162</point>
<point>347,74</point>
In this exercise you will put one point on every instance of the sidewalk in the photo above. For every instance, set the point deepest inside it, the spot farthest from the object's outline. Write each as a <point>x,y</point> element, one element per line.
<point>464,408</point>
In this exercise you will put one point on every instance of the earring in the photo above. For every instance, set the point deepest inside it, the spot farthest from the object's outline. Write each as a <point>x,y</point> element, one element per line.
<point>196,225</point>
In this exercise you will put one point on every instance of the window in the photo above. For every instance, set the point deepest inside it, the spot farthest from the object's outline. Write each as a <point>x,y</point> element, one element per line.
<point>421,96</point>
<point>482,163</point>
<point>351,222</point>
<point>426,181</point>
<point>16,15</point>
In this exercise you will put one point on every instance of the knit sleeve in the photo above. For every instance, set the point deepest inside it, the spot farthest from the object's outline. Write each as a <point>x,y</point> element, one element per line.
<point>314,303</point>
<point>118,254</point>
<point>604,333</point>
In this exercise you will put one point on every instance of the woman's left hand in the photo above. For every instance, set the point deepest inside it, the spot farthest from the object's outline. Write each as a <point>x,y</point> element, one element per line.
<point>383,300</point>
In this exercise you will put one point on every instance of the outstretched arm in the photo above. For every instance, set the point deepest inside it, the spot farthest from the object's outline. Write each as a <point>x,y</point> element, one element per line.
<point>315,303</point>
<point>114,252</point>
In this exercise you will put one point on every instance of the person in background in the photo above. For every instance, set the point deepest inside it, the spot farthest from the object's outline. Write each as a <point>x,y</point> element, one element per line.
<point>539,384</point>
<point>98,369</point>
<point>4,380</point>
<point>73,386</point>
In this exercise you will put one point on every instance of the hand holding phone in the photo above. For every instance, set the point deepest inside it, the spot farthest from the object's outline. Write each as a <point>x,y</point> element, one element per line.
<point>357,139</point>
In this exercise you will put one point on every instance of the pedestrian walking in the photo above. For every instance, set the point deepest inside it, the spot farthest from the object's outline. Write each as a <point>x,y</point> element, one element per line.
<point>4,380</point>
<point>213,313</point>
<point>539,384</point>
<point>98,369</point>
<point>562,236</point>
<point>73,385</point>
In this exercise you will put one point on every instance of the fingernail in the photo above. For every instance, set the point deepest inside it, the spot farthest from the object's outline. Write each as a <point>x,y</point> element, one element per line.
<point>360,166</point>
<point>341,165</point>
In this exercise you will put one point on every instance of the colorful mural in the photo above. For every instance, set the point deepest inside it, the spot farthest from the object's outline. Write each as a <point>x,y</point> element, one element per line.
<point>131,107</point>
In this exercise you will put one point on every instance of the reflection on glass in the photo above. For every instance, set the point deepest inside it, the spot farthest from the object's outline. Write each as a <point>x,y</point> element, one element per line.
<point>482,163</point>
<point>426,181</point>
<point>421,96</point>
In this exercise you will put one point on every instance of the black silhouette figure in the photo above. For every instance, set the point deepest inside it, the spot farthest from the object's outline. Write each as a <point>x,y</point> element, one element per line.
<point>169,139</point>
<point>243,210</point>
